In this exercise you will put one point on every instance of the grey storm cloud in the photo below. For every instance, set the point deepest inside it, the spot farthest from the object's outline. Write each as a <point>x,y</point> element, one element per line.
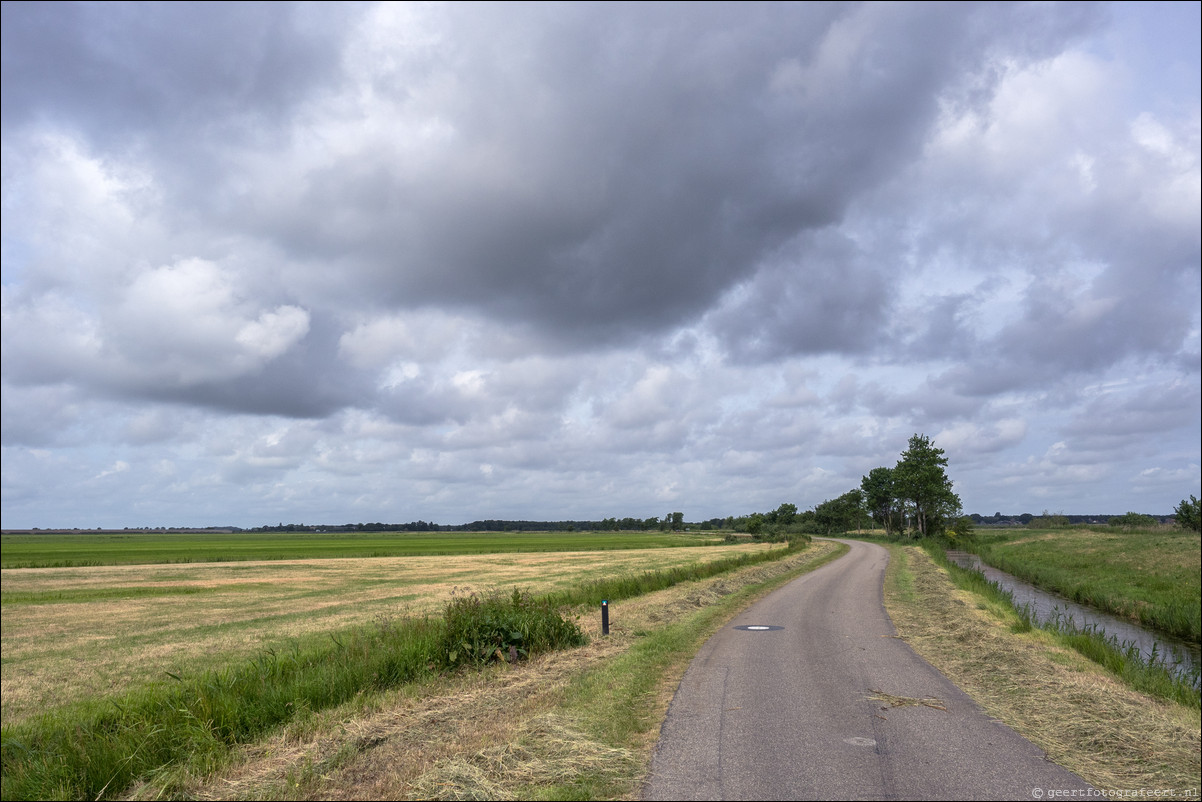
<point>604,172</point>
<point>132,73</point>
<point>600,172</point>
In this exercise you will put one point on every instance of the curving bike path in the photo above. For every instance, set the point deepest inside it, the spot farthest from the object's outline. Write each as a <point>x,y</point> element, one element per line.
<point>824,705</point>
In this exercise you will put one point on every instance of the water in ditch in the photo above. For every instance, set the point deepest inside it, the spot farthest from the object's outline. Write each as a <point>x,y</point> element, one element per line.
<point>1182,655</point>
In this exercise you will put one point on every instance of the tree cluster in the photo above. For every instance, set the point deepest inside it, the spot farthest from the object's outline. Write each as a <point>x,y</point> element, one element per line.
<point>842,514</point>
<point>915,496</point>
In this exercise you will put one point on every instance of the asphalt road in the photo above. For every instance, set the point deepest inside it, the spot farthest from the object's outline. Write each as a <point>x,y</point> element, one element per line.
<point>790,713</point>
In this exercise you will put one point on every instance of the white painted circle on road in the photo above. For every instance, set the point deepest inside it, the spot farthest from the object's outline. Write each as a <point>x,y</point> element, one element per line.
<point>859,741</point>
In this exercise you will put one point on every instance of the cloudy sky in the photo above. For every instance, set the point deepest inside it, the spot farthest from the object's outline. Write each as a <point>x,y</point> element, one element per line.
<point>358,262</point>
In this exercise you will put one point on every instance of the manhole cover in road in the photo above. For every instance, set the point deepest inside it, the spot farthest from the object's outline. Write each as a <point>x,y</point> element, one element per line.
<point>758,628</point>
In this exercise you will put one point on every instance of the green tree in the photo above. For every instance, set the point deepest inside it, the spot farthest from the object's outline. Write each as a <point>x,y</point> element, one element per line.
<point>786,513</point>
<point>1189,514</point>
<point>826,516</point>
<point>881,500</point>
<point>841,514</point>
<point>921,482</point>
<point>961,529</point>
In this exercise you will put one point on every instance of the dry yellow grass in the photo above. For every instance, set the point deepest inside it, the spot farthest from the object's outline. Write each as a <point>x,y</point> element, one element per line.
<point>1086,720</point>
<point>65,650</point>
<point>489,735</point>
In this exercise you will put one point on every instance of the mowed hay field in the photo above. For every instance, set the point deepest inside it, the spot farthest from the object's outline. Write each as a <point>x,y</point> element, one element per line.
<point>71,633</point>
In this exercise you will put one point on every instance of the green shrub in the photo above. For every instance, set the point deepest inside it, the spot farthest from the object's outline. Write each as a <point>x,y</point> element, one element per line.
<point>1189,514</point>
<point>961,529</point>
<point>1049,521</point>
<point>1134,520</point>
<point>480,629</point>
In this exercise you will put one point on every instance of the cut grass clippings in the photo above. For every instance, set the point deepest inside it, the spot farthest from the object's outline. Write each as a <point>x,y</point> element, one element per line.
<point>1111,735</point>
<point>908,701</point>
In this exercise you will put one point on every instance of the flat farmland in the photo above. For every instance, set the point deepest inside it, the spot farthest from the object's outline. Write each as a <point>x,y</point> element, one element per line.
<point>68,549</point>
<point>71,633</point>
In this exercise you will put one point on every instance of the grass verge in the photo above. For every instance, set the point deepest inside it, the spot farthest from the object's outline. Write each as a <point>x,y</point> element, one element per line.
<point>1153,677</point>
<point>1113,736</point>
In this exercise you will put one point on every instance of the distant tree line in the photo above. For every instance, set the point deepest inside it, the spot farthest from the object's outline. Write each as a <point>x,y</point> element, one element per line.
<point>412,526</point>
<point>1056,520</point>
<point>673,521</point>
<point>912,499</point>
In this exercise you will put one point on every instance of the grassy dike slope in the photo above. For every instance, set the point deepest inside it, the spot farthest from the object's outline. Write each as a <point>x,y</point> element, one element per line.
<point>1085,719</point>
<point>1148,575</point>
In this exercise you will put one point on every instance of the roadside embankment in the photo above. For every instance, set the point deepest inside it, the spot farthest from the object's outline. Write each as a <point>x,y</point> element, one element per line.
<point>1088,721</point>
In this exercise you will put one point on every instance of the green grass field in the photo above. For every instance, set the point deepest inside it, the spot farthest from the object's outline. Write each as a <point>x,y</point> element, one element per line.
<point>1150,576</point>
<point>68,549</point>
